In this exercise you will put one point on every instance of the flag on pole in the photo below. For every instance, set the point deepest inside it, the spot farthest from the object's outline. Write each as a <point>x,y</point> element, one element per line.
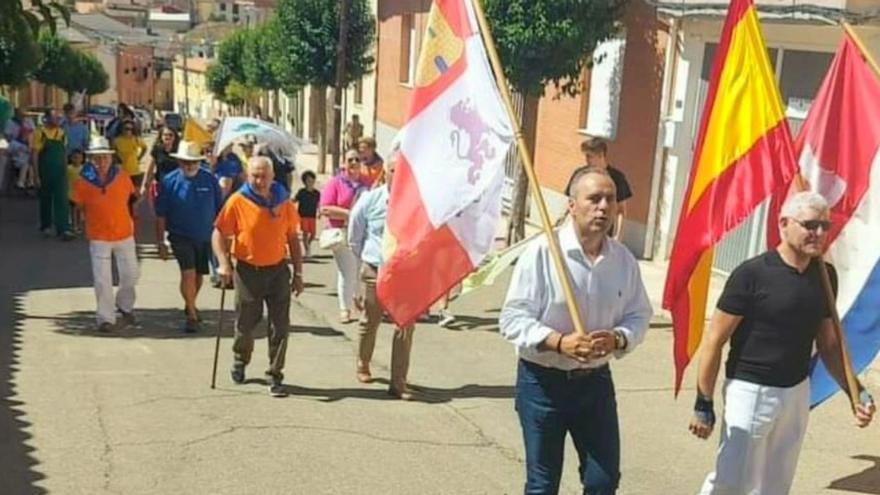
<point>445,200</point>
<point>195,133</point>
<point>838,149</point>
<point>743,155</point>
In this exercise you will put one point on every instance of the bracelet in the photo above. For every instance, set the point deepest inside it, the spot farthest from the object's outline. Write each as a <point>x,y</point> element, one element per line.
<point>559,344</point>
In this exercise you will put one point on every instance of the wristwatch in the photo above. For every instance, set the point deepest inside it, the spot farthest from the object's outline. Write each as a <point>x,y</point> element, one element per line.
<point>620,341</point>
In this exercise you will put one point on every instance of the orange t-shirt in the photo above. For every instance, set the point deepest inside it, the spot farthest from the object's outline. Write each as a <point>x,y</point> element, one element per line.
<point>107,215</point>
<point>259,238</point>
<point>372,175</point>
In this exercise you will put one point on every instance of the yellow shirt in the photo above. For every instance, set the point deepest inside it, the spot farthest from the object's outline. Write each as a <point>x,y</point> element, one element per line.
<point>128,150</point>
<point>41,134</point>
<point>72,175</point>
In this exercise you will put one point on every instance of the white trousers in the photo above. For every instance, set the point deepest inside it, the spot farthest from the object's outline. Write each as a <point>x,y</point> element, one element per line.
<point>761,438</point>
<point>102,276</point>
<point>347,268</point>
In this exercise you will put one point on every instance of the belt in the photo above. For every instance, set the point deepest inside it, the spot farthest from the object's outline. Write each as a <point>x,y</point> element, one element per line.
<point>572,374</point>
<point>255,268</point>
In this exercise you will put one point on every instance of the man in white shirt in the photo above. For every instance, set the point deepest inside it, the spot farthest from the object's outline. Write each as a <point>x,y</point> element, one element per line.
<point>564,383</point>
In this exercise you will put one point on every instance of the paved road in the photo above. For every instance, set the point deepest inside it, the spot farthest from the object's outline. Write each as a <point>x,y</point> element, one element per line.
<point>132,413</point>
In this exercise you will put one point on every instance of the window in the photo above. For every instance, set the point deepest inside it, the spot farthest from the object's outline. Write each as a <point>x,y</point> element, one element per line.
<point>408,49</point>
<point>359,91</point>
<point>605,85</point>
<point>222,7</point>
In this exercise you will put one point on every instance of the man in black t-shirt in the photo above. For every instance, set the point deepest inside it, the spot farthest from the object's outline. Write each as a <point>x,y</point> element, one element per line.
<point>772,310</point>
<point>595,152</point>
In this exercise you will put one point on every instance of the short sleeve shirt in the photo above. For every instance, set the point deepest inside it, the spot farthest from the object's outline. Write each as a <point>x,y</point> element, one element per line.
<point>106,209</point>
<point>340,192</point>
<point>782,312</point>
<point>259,237</point>
<point>624,191</point>
<point>128,149</point>
<point>189,204</point>
<point>307,202</point>
<point>165,163</point>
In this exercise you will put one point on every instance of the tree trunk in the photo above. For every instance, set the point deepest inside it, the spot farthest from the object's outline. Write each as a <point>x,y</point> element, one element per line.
<point>276,107</point>
<point>322,128</point>
<point>516,229</point>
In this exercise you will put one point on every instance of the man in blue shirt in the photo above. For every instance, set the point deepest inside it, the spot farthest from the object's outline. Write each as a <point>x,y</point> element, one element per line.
<point>76,129</point>
<point>188,202</point>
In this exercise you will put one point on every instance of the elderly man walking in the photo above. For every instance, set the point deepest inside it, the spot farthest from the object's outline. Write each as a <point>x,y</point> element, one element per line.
<point>564,383</point>
<point>772,310</point>
<point>103,192</point>
<point>262,226</point>
<point>188,202</point>
<point>365,230</point>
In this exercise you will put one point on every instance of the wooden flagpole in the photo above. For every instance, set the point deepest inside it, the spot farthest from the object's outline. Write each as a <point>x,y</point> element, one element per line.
<point>529,167</point>
<point>831,301</point>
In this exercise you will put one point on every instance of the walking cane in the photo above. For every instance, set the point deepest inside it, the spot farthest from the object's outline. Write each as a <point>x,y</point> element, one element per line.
<point>219,332</point>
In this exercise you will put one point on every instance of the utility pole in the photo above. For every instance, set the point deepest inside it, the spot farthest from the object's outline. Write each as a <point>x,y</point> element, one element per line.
<point>185,76</point>
<point>341,55</point>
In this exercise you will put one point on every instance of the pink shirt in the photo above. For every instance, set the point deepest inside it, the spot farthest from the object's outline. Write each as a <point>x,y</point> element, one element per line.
<point>341,192</point>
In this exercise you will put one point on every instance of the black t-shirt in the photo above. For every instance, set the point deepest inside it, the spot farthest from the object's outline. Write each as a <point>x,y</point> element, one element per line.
<point>624,192</point>
<point>165,164</point>
<point>307,202</point>
<point>782,312</point>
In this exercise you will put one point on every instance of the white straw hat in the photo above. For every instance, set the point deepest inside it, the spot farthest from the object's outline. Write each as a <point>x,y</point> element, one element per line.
<point>189,151</point>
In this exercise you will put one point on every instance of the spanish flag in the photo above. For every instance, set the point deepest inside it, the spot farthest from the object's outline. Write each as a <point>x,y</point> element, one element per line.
<point>744,154</point>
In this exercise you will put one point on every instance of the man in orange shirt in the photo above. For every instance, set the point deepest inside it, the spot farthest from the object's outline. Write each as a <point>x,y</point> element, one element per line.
<point>259,226</point>
<point>102,192</point>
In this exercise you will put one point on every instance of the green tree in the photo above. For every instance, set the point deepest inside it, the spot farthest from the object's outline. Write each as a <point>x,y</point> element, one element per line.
<point>90,75</point>
<point>19,28</point>
<point>544,42</point>
<point>227,77</point>
<point>19,52</point>
<point>308,33</point>
<point>58,66</point>
<point>260,59</point>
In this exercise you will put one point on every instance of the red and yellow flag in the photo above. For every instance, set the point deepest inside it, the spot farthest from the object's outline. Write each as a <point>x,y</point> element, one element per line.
<point>744,154</point>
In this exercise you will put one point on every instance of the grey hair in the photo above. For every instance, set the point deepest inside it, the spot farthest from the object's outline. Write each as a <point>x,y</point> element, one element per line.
<point>580,174</point>
<point>802,201</point>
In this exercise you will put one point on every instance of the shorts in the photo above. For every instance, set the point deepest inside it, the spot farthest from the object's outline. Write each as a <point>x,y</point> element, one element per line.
<point>190,254</point>
<point>309,225</point>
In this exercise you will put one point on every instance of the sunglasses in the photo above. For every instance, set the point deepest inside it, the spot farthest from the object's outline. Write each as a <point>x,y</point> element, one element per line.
<point>354,160</point>
<point>813,225</point>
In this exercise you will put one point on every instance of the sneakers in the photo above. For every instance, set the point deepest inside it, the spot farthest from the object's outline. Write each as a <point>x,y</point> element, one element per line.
<point>237,373</point>
<point>67,236</point>
<point>105,327</point>
<point>446,318</point>
<point>128,318</point>
<point>401,392</point>
<point>191,326</point>
<point>47,232</point>
<point>276,386</point>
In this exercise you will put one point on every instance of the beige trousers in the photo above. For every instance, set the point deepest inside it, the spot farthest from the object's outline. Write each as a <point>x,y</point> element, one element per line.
<point>402,344</point>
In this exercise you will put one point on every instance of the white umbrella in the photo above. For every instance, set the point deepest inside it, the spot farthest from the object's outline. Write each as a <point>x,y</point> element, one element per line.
<point>238,128</point>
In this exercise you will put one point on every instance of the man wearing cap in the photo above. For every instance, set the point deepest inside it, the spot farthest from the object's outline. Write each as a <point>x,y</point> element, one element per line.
<point>188,202</point>
<point>103,192</point>
<point>259,226</point>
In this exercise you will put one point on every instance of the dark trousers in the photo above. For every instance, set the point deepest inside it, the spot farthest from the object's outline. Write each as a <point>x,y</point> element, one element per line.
<point>53,189</point>
<point>253,287</point>
<point>550,405</point>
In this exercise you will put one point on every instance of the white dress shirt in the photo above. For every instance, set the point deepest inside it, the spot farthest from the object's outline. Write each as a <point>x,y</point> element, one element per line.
<point>609,292</point>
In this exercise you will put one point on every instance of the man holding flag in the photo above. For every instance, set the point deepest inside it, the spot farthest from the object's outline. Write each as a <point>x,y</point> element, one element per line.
<point>772,310</point>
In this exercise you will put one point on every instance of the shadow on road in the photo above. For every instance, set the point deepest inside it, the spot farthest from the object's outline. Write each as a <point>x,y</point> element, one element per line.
<point>867,481</point>
<point>167,323</point>
<point>430,395</point>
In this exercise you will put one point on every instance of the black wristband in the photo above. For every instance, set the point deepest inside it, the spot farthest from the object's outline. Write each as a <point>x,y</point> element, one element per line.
<point>703,404</point>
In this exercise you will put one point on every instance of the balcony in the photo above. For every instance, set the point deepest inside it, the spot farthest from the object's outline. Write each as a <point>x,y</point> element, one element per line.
<point>817,11</point>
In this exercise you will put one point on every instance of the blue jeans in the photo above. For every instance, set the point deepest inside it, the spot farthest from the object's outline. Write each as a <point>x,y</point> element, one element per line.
<point>551,404</point>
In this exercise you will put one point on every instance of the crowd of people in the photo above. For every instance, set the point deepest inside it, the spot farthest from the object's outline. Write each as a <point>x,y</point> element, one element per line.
<point>231,213</point>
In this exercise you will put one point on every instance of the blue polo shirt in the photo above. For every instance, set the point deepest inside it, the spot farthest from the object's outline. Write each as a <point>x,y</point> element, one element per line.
<point>189,204</point>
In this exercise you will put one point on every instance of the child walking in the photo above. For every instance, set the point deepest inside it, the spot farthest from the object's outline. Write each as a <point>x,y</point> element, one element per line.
<point>307,199</point>
<point>74,166</point>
